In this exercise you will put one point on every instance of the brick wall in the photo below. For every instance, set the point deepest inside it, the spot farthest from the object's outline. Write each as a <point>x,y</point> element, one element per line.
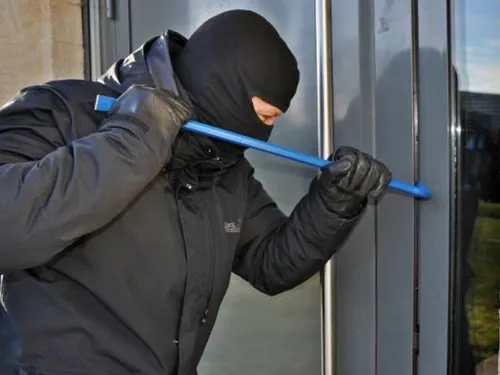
<point>39,40</point>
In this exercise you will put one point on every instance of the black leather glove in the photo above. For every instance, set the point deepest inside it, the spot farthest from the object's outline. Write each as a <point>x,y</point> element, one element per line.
<point>346,184</point>
<point>154,107</point>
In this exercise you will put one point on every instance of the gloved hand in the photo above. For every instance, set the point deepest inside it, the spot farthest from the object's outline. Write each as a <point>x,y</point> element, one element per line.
<point>346,184</point>
<point>154,107</point>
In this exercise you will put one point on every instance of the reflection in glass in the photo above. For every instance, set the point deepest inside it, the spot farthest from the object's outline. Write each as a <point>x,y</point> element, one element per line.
<point>477,274</point>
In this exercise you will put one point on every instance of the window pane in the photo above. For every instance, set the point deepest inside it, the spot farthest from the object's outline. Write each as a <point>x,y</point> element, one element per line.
<point>477,276</point>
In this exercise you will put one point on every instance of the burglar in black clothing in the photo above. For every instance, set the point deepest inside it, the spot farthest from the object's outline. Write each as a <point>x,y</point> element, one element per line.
<point>114,240</point>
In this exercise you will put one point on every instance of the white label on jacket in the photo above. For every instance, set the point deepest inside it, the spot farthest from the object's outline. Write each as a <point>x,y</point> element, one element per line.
<point>232,226</point>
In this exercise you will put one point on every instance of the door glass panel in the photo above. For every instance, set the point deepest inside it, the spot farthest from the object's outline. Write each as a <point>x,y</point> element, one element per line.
<point>477,275</point>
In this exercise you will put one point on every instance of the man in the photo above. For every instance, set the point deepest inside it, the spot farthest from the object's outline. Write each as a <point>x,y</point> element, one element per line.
<point>113,243</point>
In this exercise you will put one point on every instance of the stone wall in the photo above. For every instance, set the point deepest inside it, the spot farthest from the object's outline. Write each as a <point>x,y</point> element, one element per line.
<point>39,40</point>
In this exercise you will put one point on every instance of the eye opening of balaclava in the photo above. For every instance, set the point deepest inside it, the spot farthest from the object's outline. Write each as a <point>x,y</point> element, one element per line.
<point>229,59</point>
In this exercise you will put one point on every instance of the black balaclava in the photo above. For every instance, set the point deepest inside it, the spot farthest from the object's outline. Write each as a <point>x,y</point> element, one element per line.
<point>229,59</point>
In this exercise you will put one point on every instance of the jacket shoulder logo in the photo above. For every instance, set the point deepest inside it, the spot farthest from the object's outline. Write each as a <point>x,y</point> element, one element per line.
<point>232,226</point>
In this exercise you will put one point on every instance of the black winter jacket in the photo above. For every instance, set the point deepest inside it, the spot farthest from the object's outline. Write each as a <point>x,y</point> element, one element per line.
<point>110,266</point>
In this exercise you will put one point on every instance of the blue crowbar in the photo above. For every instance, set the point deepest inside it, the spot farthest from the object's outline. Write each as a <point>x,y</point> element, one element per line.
<point>419,190</point>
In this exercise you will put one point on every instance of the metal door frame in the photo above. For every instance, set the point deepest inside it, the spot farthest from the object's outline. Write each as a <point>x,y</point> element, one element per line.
<point>324,81</point>
<point>438,156</point>
<point>108,40</point>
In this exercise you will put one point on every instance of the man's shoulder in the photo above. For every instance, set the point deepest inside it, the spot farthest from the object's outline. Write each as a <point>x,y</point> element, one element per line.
<point>70,103</point>
<point>78,97</point>
<point>77,90</point>
<point>59,94</point>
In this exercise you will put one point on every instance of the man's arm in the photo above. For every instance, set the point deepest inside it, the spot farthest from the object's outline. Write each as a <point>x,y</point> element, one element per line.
<point>277,253</point>
<point>51,193</point>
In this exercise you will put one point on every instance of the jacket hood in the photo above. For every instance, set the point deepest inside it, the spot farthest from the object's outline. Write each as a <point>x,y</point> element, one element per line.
<point>197,156</point>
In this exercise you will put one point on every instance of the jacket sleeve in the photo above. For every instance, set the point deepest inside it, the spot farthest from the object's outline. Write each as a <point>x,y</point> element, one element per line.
<point>53,193</point>
<point>277,253</point>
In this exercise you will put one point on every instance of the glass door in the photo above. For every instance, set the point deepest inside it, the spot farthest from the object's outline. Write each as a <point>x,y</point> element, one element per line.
<point>476,299</point>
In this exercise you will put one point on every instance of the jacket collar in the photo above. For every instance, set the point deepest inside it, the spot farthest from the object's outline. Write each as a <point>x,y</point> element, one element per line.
<point>150,64</point>
<point>194,155</point>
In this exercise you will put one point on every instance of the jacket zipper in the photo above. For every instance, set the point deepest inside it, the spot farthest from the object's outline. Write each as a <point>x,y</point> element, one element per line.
<point>212,273</point>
